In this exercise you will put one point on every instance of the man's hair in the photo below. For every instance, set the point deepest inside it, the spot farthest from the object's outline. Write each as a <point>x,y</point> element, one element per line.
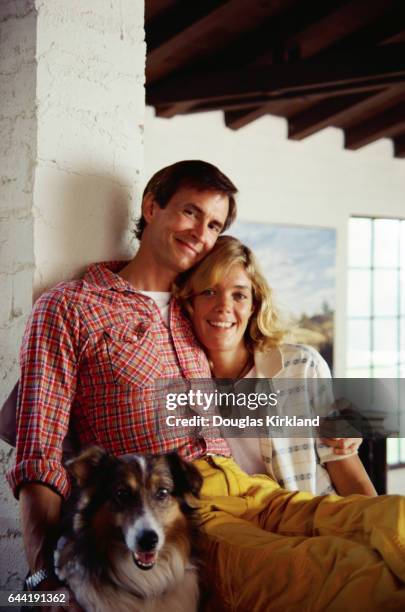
<point>197,174</point>
<point>265,328</point>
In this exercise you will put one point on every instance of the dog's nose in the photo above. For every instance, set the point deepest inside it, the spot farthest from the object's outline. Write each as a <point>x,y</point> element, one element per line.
<point>148,540</point>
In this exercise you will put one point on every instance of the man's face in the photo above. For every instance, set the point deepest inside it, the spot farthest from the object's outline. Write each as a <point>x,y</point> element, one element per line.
<point>185,230</point>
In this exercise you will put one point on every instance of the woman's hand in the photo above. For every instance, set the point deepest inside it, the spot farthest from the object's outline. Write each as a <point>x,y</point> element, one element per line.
<point>343,446</point>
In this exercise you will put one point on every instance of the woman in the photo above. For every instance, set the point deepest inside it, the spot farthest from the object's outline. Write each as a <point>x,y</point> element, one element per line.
<point>231,307</point>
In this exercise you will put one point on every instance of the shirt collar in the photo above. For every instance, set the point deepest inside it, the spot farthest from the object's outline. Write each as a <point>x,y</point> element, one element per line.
<point>105,276</point>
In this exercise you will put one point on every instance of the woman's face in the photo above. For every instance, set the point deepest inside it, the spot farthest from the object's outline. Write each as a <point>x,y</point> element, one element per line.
<point>221,313</point>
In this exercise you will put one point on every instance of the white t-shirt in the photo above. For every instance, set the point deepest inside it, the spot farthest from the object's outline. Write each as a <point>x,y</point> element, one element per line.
<point>162,300</point>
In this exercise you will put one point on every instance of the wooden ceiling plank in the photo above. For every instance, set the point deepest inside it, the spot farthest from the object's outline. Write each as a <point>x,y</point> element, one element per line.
<point>399,146</point>
<point>383,29</point>
<point>179,21</point>
<point>344,21</point>
<point>381,66</point>
<point>380,126</point>
<point>153,8</point>
<point>309,31</point>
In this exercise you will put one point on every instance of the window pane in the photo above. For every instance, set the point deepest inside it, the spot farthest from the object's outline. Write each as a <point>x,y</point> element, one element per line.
<point>385,342</point>
<point>385,292</point>
<point>392,450</point>
<point>402,341</point>
<point>358,373</point>
<point>360,242</point>
<point>385,372</point>
<point>386,242</point>
<point>358,343</point>
<point>359,293</point>
<point>402,290</point>
<point>402,239</point>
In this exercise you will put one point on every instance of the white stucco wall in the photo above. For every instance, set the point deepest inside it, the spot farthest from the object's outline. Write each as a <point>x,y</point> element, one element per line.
<point>90,99</point>
<point>313,182</point>
<point>71,159</point>
<point>17,166</point>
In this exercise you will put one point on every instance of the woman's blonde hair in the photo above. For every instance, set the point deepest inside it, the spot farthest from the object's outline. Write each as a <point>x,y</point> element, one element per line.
<point>265,329</point>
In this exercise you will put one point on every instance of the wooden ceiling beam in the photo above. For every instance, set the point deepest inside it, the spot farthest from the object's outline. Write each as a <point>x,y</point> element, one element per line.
<point>358,22</point>
<point>321,115</point>
<point>264,42</point>
<point>230,104</point>
<point>372,69</point>
<point>381,30</point>
<point>342,111</point>
<point>382,125</point>
<point>399,146</point>
<point>324,114</point>
<point>276,39</point>
<point>273,41</point>
<point>174,109</point>
<point>193,30</point>
<point>344,20</point>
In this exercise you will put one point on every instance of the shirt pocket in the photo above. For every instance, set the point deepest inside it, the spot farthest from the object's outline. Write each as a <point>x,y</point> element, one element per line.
<point>132,353</point>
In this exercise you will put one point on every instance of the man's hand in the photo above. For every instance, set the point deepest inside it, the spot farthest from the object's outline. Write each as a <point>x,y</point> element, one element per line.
<point>343,446</point>
<point>71,605</point>
<point>40,516</point>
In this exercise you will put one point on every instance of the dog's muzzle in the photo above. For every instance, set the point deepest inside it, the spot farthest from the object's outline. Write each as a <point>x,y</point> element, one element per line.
<point>146,554</point>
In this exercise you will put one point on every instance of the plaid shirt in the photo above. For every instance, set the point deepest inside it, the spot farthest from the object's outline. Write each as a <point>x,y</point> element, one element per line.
<point>91,353</point>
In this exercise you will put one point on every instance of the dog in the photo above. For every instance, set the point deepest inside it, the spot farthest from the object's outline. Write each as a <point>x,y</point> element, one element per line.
<point>128,546</point>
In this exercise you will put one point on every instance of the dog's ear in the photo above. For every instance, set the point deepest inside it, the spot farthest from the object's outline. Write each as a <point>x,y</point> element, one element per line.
<point>83,466</point>
<point>186,477</point>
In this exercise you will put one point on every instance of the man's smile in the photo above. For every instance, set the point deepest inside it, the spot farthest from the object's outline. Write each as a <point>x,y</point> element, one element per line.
<point>188,246</point>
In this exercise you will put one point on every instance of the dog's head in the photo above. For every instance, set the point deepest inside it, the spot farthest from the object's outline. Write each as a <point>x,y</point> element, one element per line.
<point>141,500</point>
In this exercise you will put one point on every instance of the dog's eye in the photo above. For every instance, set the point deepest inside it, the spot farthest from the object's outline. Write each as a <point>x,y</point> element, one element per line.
<point>162,493</point>
<point>122,495</point>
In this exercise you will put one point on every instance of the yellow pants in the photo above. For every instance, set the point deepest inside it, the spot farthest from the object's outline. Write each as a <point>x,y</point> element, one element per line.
<point>275,550</point>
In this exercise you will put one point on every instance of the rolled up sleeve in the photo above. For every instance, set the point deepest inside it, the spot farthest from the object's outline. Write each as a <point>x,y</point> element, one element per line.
<point>48,360</point>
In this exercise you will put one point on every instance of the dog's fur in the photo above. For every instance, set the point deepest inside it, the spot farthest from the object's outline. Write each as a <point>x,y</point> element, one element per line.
<point>129,542</point>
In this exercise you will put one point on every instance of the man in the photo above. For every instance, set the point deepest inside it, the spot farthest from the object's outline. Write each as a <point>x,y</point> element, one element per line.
<point>93,348</point>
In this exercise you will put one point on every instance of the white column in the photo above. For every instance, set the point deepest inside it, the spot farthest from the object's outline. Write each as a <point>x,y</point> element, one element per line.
<point>71,160</point>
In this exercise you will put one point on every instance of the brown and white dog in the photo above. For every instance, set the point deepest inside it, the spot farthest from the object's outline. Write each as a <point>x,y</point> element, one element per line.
<point>129,542</point>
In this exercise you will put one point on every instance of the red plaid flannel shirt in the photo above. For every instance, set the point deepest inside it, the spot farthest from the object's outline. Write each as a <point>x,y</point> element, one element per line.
<point>91,353</point>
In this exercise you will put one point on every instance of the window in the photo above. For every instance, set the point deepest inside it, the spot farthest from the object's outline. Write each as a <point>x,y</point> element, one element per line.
<point>376,306</point>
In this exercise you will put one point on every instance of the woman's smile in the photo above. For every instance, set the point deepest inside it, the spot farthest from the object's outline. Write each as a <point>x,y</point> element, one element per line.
<point>222,324</point>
